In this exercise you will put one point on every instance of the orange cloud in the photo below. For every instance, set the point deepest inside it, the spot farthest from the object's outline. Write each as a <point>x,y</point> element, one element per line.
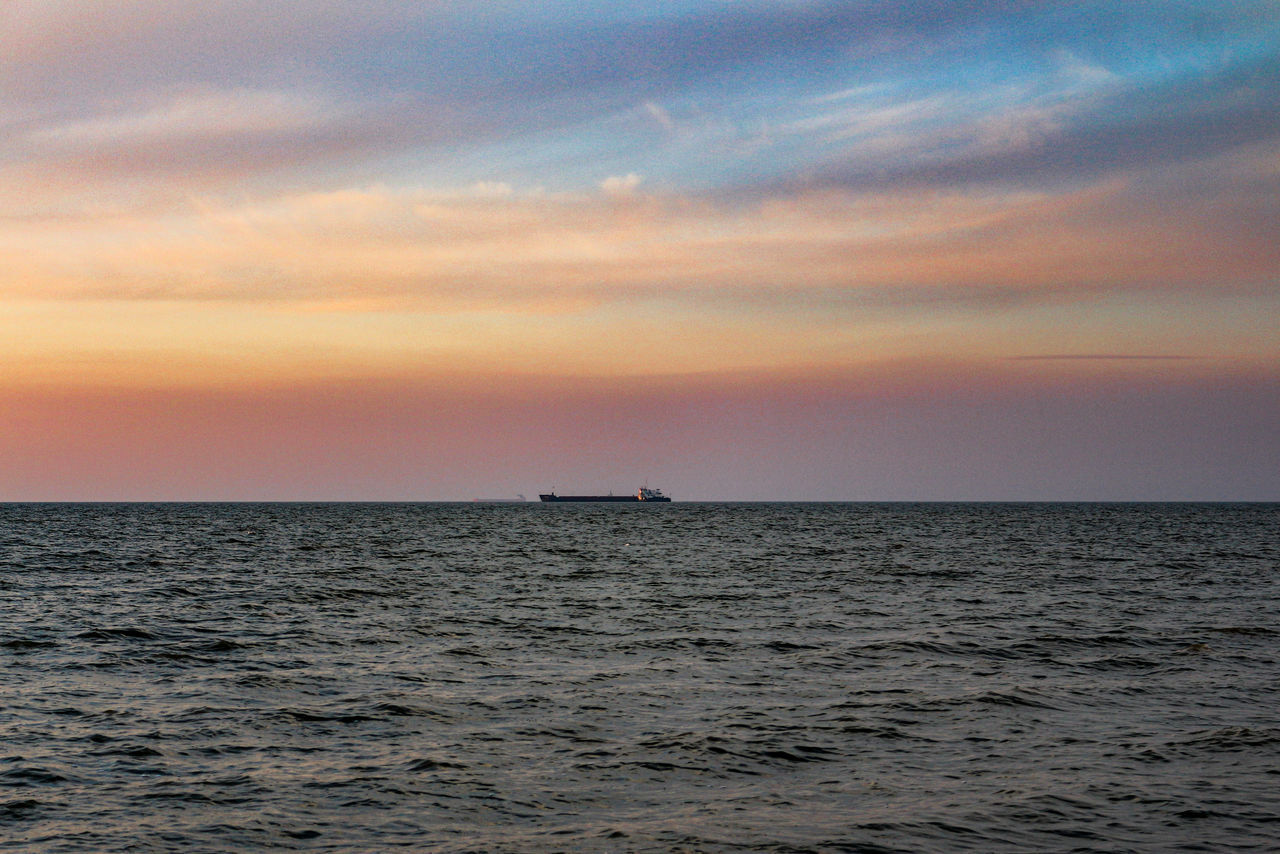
<point>484,248</point>
<point>365,281</point>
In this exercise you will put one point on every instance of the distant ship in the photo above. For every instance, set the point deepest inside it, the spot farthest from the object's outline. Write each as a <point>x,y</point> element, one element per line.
<point>644,493</point>
<point>516,500</point>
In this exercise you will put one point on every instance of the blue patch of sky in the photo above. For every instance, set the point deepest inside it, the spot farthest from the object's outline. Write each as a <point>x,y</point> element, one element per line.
<point>560,47</point>
<point>569,90</point>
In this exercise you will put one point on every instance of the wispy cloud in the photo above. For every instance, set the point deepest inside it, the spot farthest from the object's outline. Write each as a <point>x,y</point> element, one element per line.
<point>621,185</point>
<point>1136,129</point>
<point>1068,357</point>
<point>191,115</point>
<point>489,245</point>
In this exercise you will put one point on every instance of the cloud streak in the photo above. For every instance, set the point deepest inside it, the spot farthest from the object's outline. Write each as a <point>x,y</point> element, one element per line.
<point>491,241</point>
<point>1101,357</point>
<point>1136,131</point>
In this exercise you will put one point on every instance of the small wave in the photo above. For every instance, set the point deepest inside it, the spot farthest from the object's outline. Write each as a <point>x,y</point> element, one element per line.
<point>219,645</point>
<point>133,751</point>
<point>31,777</point>
<point>1149,754</point>
<point>657,765</point>
<point>26,643</point>
<point>800,753</point>
<point>1195,814</point>
<point>319,717</point>
<point>675,643</point>
<point>1243,630</point>
<point>429,764</point>
<point>176,590</point>
<point>931,647</point>
<point>19,808</point>
<point>128,632</point>
<point>466,652</point>
<point>903,570</point>
<point>1091,641</point>
<point>1230,739</point>
<point>789,646</point>
<point>861,847</point>
<point>398,710</point>
<point>1020,698</point>
<point>180,795</point>
<point>882,731</point>
<point>1230,555</point>
<point>1193,649</point>
<point>1121,662</point>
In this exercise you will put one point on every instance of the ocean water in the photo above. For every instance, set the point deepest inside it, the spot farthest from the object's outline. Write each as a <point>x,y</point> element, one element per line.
<point>682,677</point>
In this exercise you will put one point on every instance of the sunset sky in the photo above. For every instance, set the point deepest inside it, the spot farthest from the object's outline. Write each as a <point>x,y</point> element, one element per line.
<point>735,249</point>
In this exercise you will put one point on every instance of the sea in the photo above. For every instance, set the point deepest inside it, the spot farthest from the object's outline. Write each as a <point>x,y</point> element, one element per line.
<point>680,677</point>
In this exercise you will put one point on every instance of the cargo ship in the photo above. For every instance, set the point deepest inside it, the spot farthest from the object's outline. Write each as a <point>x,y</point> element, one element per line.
<point>644,493</point>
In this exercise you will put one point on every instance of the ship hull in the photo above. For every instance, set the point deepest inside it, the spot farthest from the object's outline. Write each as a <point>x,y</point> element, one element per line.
<point>627,499</point>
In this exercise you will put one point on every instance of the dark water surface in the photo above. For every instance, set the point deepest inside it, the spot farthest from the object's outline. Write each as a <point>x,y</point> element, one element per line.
<point>683,677</point>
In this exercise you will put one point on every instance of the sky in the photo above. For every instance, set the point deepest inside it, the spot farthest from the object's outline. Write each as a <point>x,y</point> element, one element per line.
<point>737,250</point>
